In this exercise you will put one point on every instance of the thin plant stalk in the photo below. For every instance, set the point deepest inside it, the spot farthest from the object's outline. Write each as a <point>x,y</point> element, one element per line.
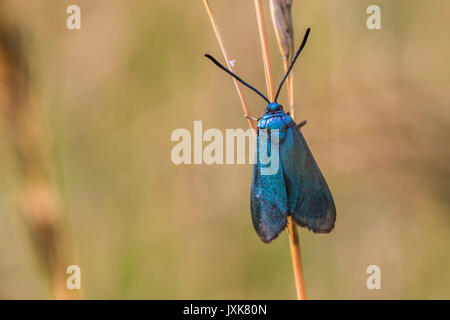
<point>290,88</point>
<point>291,225</point>
<point>297,263</point>
<point>265,49</point>
<point>228,61</point>
<point>284,31</point>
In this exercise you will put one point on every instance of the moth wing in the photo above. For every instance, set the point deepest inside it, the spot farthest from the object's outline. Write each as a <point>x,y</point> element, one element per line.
<point>309,199</point>
<point>268,199</point>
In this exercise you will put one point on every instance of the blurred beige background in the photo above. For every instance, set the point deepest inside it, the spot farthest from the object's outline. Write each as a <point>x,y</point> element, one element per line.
<point>110,95</point>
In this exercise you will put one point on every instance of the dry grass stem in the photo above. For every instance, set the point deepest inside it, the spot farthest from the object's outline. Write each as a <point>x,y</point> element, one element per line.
<point>227,59</point>
<point>284,31</point>
<point>265,49</point>
<point>297,263</point>
<point>282,21</point>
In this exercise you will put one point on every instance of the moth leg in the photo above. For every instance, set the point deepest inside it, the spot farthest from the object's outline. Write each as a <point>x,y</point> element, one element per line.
<point>301,124</point>
<point>251,118</point>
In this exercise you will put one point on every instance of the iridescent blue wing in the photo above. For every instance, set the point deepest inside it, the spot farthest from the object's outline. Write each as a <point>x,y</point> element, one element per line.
<point>268,199</point>
<point>309,199</point>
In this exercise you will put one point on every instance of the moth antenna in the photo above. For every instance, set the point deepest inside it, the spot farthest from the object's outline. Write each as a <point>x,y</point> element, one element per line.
<point>217,63</point>
<point>305,38</point>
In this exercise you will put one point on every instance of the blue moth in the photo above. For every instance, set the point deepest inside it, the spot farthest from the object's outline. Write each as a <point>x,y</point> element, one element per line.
<point>297,188</point>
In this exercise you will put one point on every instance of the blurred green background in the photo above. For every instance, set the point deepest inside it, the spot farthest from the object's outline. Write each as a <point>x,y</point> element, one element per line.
<point>377,106</point>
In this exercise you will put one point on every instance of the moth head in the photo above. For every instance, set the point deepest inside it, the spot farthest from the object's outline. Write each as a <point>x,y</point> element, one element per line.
<point>274,107</point>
